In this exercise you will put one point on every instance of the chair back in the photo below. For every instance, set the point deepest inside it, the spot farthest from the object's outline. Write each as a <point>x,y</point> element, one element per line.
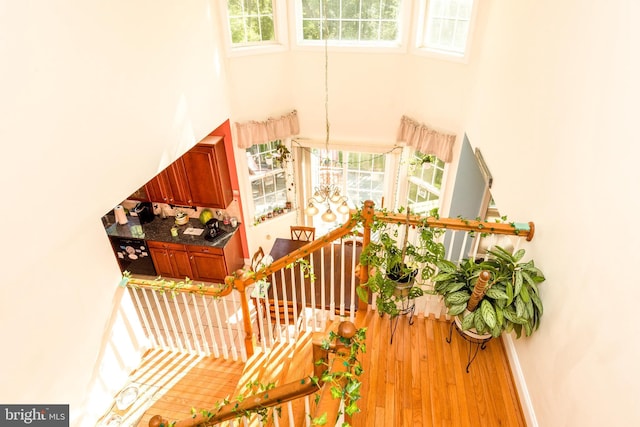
<point>257,258</point>
<point>300,232</point>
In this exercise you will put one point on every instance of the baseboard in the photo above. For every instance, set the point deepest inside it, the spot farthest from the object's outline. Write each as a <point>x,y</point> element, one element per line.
<point>521,385</point>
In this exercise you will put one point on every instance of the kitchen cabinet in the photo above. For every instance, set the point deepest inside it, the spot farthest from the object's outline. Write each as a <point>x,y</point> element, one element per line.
<point>204,263</point>
<point>208,175</point>
<point>208,263</point>
<point>199,178</point>
<point>170,259</point>
<point>170,186</point>
<point>213,264</point>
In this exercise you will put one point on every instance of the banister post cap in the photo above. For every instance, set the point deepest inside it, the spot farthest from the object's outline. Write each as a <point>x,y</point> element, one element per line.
<point>346,329</point>
<point>157,421</point>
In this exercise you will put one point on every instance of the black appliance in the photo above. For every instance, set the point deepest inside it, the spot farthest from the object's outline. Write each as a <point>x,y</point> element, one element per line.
<point>213,229</point>
<point>133,255</point>
<point>144,210</point>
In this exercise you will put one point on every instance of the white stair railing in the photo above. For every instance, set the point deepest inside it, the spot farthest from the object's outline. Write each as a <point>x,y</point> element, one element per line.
<point>189,322</point>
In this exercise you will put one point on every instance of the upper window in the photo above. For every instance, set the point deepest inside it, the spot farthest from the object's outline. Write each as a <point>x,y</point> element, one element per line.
<point>250,21</point>
<point>351,21</point>
<point>425,176</point>
<point>446,26</point>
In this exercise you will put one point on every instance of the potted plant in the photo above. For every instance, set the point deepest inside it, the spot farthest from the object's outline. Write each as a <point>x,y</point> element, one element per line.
<point>509,302</point>
<point>397,267</point>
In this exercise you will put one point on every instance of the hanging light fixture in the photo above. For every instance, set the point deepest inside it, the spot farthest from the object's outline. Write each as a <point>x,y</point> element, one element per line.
<point>327,193</point>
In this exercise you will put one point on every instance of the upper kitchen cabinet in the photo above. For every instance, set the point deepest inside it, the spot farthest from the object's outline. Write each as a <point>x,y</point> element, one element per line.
<point>208,174</point>
<point>170,186</point>
<point>199,178</point>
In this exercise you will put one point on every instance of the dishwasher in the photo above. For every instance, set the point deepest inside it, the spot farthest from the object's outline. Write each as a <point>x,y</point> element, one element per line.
<point>133,255</point>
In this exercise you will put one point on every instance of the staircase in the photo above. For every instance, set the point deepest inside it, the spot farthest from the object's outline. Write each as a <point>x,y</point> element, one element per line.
<point>274,389</point>
<point>283,364</point>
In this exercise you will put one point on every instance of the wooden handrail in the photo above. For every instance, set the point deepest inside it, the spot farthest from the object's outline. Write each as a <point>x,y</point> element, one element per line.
<point>201,289</point>
<point>276,396</point>
<point>301,252</point>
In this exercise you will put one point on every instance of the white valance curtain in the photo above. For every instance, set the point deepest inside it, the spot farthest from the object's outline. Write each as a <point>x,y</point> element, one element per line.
<point>425,139</point>
<point>253,132</point>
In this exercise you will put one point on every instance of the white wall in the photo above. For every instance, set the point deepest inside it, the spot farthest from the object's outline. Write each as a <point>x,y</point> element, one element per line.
<point>97,97</point>
<point>555,112</point>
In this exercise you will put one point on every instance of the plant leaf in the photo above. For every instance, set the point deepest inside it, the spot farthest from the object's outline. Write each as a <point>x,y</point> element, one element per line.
<point>488,313</point>
<point>454,286</point>
<point>524,294</point>
<point>320,421</point>
<point>454,310</point>
<point>517,282</point>
<point>496,293</point>
<point>499,316</point>
<point>537,301</point>
<point>456,298</point>
<point>446,266</point>
<point>478,322</point>
<point>520,307</point>
<point>363,294</point>
<point>518,255</point>
<point>467,321</point>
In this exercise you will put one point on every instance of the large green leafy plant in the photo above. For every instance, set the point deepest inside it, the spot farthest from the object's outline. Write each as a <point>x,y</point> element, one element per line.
<point>511,301</point>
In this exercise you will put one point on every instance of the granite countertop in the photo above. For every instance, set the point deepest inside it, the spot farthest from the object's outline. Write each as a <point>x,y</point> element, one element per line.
<point>160,230</point>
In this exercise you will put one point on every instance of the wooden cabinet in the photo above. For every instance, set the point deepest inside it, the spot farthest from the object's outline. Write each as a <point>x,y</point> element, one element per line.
<point>170,259</point>
<point>205,263</point>
<point>170,186</point>
<point>199,178</point>
<point>208,176</point>
<point>208,263</point>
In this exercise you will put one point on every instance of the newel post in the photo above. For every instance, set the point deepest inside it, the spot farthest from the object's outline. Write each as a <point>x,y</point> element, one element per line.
<point>368,211</point>
<point>327,404</point>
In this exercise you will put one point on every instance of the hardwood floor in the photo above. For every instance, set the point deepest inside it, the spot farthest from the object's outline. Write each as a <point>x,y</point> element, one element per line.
<point>419,380</point>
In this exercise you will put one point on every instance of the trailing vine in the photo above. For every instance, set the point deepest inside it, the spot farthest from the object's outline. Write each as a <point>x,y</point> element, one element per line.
<point>173,287</point>
<point>351,390</point>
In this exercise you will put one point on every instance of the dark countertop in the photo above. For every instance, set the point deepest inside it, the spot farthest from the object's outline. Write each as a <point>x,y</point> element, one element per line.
<point>160,230</point>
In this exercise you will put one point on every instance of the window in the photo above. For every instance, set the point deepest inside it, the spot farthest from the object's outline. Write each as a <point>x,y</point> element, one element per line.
<point>267,176</point>
<point>360,176</point>
<point>352,21</point>
<point>425,176</point>
<point>446,26</point>
<point>251,21</point>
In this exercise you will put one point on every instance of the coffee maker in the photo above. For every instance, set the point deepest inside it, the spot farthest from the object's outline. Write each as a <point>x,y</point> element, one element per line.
<point>144,210</point>
<point>213,229</point>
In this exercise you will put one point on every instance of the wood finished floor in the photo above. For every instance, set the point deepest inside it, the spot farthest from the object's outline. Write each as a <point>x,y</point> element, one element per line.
<point>419,380</point>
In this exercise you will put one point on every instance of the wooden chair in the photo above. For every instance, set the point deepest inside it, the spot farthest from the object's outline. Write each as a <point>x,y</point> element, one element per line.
<point>300,232</point>
<point>257,258</point>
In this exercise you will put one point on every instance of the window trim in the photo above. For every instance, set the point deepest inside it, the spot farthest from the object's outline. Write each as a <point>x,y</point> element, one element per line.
<point>420,24</point>
<point>281,32</point>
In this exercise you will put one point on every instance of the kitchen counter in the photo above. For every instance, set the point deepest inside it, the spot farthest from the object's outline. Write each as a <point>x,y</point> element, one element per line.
<point>160,230</point>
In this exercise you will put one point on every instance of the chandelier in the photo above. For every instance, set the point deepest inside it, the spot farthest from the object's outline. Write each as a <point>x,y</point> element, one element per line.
<point>327,193</point>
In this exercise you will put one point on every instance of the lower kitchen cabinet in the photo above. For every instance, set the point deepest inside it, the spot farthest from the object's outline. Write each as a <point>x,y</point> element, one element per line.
<point>204,263</point>
<point>208,263</point>
<point>170,259</point>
